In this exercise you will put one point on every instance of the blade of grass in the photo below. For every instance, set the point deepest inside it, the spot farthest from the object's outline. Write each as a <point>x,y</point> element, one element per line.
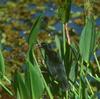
<point>35,30</point>
<point>64,40</point>
<point>2,65</point>
<point>89,86</point>
<point>6,89</point>
<point>96,78</point>
<point>7,79</point>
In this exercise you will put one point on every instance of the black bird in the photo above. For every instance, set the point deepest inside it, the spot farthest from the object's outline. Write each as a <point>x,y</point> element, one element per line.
<point>55,64</point>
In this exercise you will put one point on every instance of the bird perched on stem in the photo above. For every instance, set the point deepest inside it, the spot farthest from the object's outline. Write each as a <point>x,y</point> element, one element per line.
<point>55,63</point>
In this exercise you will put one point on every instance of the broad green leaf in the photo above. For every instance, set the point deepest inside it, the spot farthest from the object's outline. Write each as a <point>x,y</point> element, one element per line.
<point>20,86</point>
<point>2,65</point>
<point>87,39</point>
<point>35,30</point>
<point>34,81</point>
<point>64,10</point>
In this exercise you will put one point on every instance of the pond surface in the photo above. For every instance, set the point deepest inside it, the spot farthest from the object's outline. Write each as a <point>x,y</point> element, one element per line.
<point>49,10</point>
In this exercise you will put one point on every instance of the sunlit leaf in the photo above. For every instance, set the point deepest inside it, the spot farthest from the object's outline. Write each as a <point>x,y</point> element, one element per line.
<point>87,39</point>
<point>34,81</point>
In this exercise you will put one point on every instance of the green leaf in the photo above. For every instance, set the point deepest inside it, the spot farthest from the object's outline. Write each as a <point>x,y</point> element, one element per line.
<point>2,65</point>
<point>20,86</point>
<point>34,32</point>
<point>34,81</point>
<point>68,58</point>
<point>30,55</point>
<point>84,89</point>
<point>87,39</point>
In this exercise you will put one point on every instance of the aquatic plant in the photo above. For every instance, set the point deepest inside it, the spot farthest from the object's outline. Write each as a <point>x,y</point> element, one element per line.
<point>62,62</point>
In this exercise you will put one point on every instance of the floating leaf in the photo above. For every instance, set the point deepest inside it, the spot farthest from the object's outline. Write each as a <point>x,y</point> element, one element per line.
<point>87,39</point>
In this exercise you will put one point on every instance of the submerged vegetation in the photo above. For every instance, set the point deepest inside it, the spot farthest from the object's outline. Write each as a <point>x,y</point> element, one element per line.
<point>50,52</point>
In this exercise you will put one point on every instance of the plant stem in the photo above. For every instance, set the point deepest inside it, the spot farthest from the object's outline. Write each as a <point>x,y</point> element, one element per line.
<point>64,39</point>
<point>89,86</point>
